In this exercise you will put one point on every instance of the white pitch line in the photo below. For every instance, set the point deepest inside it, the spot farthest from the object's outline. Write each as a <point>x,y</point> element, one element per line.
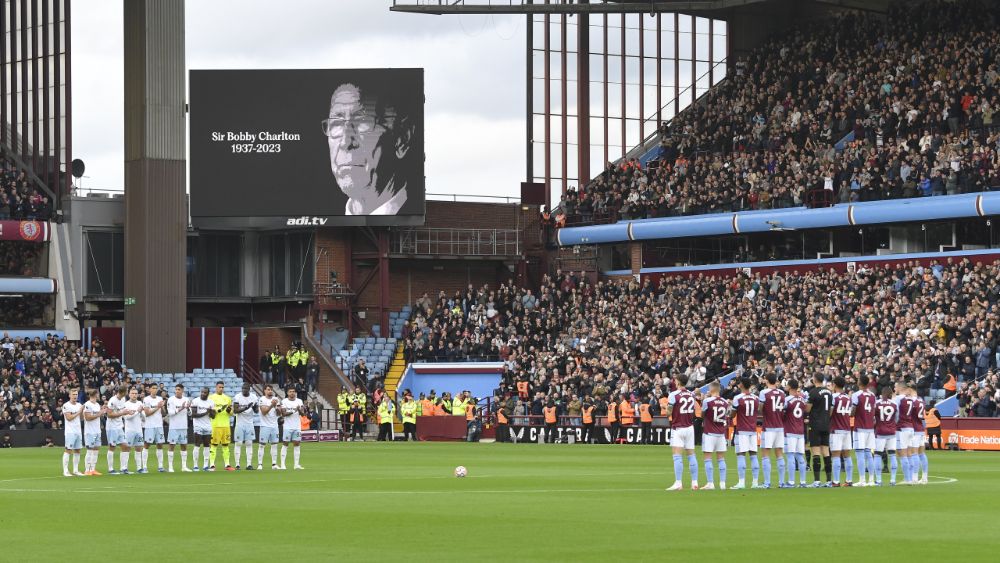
<point>26,479</point>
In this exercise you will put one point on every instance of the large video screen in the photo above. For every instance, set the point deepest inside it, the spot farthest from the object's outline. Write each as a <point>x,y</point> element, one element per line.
<point>272,148</point>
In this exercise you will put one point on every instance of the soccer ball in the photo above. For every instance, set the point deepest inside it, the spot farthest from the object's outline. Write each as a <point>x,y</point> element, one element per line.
<point>461,471</point>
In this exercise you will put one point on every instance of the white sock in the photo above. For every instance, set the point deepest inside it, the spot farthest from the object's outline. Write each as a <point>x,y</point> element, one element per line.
<point>65,462</point>
<point>206,452</point>
<point>194,457</point>
<point>296,455</point>
<point>145,458</point>
<point>124,460</point>
<point>260,454</point>
<point>274,453</point>
<point>159,458</point>
<point>238,449</point>
<point>184,459</point>
<point>92,466</point>
<point>170,459</point>
<point>111,459</point>
<point>249,446</point>
<point>76,463</point>
<point>284,450</point>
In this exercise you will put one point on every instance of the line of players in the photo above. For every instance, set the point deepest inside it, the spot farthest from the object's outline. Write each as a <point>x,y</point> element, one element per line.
<point>889,424</point>
<point>138,425</point>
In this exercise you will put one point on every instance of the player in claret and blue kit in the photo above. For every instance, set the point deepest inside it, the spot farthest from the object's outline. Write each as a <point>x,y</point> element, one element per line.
<point>918,456</point>
<point>772,402</point>
<point>795,430</point>
<point>904,431</point>
<point>863,402</point>
<point>715,429</point>
<point>680,409</point>
<point>745,405</point>
<point>840,432</point>
<point>886,415</point>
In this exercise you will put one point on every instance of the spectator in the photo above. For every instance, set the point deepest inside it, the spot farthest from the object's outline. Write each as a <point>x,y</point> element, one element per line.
<point>889,321</point>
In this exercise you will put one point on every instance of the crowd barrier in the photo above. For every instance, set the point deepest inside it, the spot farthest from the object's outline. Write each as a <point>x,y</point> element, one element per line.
<point>963,433</point>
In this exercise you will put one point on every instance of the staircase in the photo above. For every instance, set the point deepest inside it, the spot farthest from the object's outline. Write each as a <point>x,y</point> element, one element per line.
<point>395,372</point>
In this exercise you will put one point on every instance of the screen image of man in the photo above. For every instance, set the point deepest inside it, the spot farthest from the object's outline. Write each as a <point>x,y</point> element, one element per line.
<point>370,136</point>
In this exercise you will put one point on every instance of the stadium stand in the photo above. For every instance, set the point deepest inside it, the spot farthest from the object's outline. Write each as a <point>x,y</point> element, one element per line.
<point>20,258</point>
<point>18,198</point>
<point>855,108</point>
<point>35,376</point>
<point>620,336</point>
<point>378,352</point>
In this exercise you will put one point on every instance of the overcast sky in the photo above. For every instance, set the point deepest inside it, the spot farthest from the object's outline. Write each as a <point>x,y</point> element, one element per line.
<point>474,76</point>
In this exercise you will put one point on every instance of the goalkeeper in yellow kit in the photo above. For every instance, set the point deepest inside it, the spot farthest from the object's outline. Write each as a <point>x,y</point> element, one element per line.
<point>221,434</point>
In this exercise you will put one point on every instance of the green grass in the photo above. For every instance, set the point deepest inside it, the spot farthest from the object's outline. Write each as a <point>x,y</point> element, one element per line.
<point>399,502</point>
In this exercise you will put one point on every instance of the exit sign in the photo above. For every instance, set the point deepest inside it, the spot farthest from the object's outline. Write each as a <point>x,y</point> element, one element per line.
<point>129,301</point>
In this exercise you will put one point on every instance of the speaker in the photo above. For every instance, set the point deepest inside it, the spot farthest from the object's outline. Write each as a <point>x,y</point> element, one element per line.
<point>532,193</point>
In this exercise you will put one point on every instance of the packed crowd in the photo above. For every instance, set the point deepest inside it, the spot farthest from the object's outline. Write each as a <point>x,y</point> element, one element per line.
<point>936,326</point>
<point>20,258</point>
<point>913,95</point>
<point>36,375</point>
<point>32,310</point>
<point>18,198</point>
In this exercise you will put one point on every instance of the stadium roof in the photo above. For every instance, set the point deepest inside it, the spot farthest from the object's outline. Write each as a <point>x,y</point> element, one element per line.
<point>443,7</point>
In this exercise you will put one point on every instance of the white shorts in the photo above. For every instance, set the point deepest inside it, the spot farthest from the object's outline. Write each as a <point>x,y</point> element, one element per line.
<point>682,437</point>
<point>840,441</point>
<point>74,441</point>
<point>133,439</point>
<point>713,443</point>
<point>918,440</point>
<point>795,444</point>
<point>773,438</point>
<point>864,439</point>
<point>903,437</point>
<point>153,435</point>
<point>202,431</point>
<point>177,437</point>
<point>885,443</point>
<point>116,437</point>
<point>746,442</point>
<point>92,441</point>
<point>268,435</point>
<point>245,434</point>
<point>292,435</point>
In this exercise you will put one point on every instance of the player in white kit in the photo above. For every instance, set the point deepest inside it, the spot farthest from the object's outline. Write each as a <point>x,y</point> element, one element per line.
<point>92,412</point>
<point>177,418</point>
<point>202,411</point>
<point>133,432</point>
<point>292,409</point>
<point>71,411</point>
<point>268,408</point>
<point>153,407</point>
<point>244,407</point>
<point>115,428</point>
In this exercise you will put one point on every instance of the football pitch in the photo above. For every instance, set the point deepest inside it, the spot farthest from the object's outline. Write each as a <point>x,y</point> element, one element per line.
<point>525,502</point>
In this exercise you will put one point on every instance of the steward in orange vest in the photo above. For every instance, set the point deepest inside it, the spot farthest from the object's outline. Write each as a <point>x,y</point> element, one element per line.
<point>550,422</point>
<point>613,421</point>
<point>646,418</point>
<point>628,412</point>
<point>932,420</point>
<point>503,429</point>
<point>588,421</point>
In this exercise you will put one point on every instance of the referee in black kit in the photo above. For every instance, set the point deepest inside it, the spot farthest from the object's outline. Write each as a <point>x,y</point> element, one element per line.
<point>818,409</point>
